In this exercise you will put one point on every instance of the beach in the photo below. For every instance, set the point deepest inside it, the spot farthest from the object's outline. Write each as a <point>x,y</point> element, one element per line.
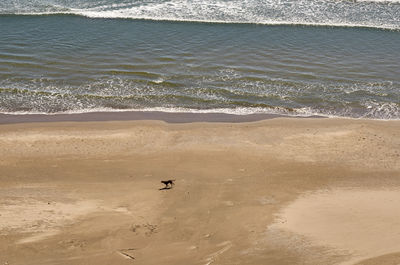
<point>274,124</point>
<point>275,191</point>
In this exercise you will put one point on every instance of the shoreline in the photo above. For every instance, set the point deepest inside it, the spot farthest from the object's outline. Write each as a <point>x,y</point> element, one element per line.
<point>169,117</point>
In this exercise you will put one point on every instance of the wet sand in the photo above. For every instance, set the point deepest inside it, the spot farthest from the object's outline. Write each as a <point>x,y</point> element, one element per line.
<point>277,191</point>
<point>170,117</point>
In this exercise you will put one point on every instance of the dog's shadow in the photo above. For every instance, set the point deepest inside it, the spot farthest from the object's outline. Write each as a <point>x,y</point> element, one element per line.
<point>165,188</point>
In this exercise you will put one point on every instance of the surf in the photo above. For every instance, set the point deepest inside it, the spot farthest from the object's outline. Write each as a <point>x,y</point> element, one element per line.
<point>378,14</point>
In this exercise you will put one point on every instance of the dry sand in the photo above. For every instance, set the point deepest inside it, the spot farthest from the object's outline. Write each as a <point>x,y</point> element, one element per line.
<point>279,191</point>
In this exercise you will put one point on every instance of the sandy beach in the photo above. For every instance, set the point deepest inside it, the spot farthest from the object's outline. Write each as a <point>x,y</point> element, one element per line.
<point>276,191</point>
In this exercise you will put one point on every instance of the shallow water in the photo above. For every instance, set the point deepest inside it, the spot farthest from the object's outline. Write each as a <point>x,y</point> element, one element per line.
<point>67,62</point>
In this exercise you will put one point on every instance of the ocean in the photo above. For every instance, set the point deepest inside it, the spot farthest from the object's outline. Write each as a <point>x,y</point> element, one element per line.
<point>333,58</point>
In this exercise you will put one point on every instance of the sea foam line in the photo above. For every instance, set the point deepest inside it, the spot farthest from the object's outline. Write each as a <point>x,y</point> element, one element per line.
<point>302,112</point>
<point>167,19</point>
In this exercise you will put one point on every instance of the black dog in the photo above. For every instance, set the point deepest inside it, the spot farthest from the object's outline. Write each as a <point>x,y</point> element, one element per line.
<point>168,183</point>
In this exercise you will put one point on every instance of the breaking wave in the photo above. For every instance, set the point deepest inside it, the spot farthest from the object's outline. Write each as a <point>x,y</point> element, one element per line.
<point>382,14</point>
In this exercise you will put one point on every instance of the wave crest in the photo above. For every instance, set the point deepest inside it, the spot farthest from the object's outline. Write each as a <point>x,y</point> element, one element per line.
<point>360,13</point>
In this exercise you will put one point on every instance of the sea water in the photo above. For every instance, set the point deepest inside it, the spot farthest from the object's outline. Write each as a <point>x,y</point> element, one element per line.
<point>293,57</point>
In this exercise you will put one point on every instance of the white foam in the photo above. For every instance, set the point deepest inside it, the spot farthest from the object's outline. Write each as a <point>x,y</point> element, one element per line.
<point>236,111</point>
<point>90,14</point>
<point>381,14</point>
<point>299,112</point>
<point>387,110</point>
